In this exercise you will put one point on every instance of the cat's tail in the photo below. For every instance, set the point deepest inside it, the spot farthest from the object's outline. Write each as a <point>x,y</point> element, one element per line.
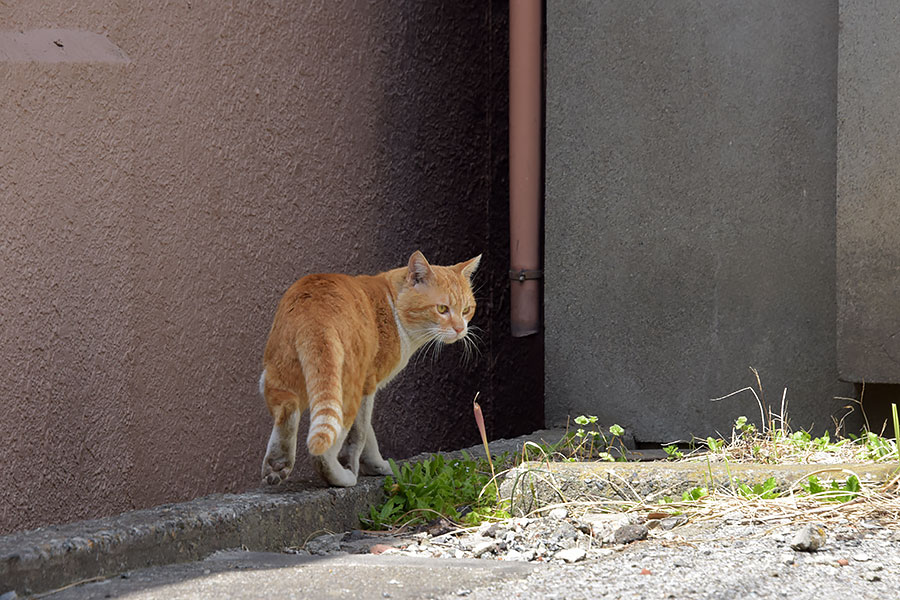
<point>322,363</point>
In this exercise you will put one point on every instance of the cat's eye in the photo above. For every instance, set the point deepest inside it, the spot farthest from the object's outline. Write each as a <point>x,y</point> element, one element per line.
<point>467,310</point>
<point>442,309</point>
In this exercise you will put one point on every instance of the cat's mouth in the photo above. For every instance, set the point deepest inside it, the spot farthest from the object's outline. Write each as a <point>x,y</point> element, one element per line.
<point>454,336</point>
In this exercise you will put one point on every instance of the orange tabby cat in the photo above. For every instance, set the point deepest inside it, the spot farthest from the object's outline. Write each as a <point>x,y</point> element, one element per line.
<point>337,339</point>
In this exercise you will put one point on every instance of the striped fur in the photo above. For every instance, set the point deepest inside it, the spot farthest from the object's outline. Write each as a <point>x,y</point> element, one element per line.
<point>335,340</point>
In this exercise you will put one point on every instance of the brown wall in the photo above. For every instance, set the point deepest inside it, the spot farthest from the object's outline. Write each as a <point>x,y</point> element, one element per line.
<point>153,211</point>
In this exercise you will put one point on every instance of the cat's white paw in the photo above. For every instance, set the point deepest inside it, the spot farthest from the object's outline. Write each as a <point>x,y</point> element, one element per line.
<point>381,467</point>
<point>276,469</point>
<point>341,478</point>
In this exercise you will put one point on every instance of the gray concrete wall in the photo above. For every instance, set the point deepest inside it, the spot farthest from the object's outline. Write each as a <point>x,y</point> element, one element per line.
<point>167,170</point>
<point>868,183</point>
<point>690,210</point>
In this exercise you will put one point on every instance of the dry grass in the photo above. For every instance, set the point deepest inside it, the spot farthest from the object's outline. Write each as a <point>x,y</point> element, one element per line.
<point>772,443</point>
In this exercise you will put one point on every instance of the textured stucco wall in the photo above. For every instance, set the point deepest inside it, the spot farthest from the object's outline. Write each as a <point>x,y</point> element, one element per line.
<point>868,182</point>
<point>690,212</point>
<point>153,212</point>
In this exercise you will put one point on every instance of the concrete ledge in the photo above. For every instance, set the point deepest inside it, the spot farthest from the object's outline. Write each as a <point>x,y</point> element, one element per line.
<point>50,557</point>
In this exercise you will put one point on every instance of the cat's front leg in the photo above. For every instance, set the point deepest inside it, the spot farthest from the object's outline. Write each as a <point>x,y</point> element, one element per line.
<point>370,460</point>
<point>352,449</point>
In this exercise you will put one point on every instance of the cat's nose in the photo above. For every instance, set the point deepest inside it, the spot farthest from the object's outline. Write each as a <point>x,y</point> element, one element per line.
<point>459,328</point>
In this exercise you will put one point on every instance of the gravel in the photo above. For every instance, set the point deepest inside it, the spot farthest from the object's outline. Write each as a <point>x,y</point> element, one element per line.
<point>618,556</point>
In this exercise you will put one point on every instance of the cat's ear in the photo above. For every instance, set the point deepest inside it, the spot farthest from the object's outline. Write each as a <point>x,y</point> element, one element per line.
<point>419,269</point>
<point>468,268</point>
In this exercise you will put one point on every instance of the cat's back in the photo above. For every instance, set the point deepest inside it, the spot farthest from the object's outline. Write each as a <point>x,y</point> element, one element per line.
<point>333,301</point>
<point>320,297</point>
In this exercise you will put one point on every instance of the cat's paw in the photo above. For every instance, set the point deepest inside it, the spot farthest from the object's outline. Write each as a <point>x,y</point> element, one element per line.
<point>342,478</point>
<point>275,470</point>
<point>375,467</point>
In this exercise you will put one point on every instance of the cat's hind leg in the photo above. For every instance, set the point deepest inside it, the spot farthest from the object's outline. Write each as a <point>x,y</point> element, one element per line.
<point>369,457</point>
<point>329,467</point>
<point>281,452</point>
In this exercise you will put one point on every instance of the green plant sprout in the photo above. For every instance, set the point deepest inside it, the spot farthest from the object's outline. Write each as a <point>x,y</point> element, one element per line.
<point>835,492</point>
<point>672,452</point>
<point>763,491</point>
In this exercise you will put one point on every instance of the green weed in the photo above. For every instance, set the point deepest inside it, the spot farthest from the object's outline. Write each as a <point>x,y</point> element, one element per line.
<point>763,491</point>
<point>695,494</point>
<point>419,492</point>
<point>835,492</point>
<point>673,453</point>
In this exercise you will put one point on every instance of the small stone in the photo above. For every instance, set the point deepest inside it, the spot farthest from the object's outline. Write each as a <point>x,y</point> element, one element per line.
<point>672,522</point>
<point>380,548</point>
<point>787,559</point>
<point>872,577</point>
<point>484,547</point>
<point>630,533</point>
<point>490,530</point>
<point>860,557</point>
<point>325,544</point>
<point>513,555</point>
<point>463,592</point>
<point>843,562</point>
<point>11,595</point>
<point>603,525</point>
<point>571,555</point>
<point>558,513</point>
<point>354,536</point>
<point>809,538</point>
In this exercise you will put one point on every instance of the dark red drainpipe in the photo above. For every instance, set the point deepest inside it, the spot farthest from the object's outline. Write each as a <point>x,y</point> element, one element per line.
<point>525,164</point>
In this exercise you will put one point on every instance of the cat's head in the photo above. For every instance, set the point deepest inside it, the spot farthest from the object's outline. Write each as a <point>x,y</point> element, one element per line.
<point>437,302</point>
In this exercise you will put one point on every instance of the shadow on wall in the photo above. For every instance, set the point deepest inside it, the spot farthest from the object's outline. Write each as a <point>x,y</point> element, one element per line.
<point>445,148</point>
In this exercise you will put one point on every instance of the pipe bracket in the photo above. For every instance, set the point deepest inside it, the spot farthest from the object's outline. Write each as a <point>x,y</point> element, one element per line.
<point>524,274</point>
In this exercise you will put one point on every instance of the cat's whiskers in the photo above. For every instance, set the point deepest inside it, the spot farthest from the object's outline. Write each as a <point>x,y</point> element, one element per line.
<point>470,344</point>
<point>428,340</point>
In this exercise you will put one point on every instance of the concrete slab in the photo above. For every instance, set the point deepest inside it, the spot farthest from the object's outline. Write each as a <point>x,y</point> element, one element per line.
<point>252,575</point>
<point>868,221</point>
<point>690,210</point>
